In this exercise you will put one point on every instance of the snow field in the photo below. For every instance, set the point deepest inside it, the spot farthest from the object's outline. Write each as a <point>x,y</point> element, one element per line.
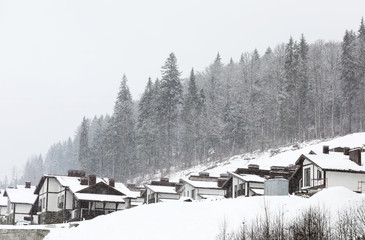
<point>201,220</point>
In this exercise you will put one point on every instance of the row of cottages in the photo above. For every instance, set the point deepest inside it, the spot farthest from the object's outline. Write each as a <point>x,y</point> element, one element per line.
<point>250,181</point>
<point>80,197</point>
<point>329,168</point>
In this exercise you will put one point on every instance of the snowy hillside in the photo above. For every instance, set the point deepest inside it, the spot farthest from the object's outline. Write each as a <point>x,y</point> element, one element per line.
<point>284,156</point>
<point>205,219</point>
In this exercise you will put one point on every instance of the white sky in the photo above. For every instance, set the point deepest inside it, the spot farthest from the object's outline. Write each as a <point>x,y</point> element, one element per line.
<point>62,60</point>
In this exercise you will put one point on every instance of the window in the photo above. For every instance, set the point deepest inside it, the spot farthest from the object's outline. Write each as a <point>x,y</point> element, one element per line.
<point>187,193</point>
<point>307,174</point>
<point>319,174</point>
<point>193,193</point>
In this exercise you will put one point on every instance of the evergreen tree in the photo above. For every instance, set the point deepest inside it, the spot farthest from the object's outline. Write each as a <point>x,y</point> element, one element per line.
<point>147,130</point>
<point>348,76</point>
<point>191,115</point>
<point>303,88</point>
<point>168,106</point>
<point>84,150</point>
<point>123,144</point>
<point>361,68</point>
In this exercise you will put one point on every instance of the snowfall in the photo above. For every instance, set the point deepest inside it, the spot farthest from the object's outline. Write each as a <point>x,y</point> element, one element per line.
<point>204,219</point>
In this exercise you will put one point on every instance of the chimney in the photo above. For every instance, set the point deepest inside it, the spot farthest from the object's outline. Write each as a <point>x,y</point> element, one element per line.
<point>224,175</point>
<point>253,166</point>
<point>346,151</point>
<point>178,186</point>
<point>326,149</point>
<point>164,179</point>
<point>221,181</point>
<point>111,182</point>
<point>84,181</point>
<point>92,179</point>
<point>203,174</point>
<point>76,173</point>
<point>355,155</point>
<point>27,184</point>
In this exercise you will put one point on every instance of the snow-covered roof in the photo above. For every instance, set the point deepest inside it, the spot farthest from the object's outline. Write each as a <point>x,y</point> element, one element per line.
<point>258,191</point>
<point>201,184</point>
<point>99,197</point>
<point>335,161</point>
<point>74,183</point>
<point>248,177</point>
<point>21,194</point>
<point>123,189</point>
<point>161,189</point>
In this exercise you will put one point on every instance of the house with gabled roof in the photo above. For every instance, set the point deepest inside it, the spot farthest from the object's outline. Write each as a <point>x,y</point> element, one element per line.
<point>78,197</point>
<point>325,169</point>
<point>3,205</point>
<point>243,185</point>
<point>20,200</point>
<point>201,186</point>
<point>161,191</point>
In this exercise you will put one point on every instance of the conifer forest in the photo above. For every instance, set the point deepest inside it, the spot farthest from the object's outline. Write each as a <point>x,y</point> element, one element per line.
<point>290,93</point>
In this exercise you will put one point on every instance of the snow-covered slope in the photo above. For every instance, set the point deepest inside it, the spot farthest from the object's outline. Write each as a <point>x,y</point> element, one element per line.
<point>284,156</point>
<point>199,220</point>
<point>203,220</point>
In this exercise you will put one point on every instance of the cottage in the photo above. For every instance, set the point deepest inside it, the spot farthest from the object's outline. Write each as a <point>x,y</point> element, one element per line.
<point>3,206</point>
<point>243,185</point>
<point>78,197</point>
<point>161,191</point>
<point>136,194</point>
<point>19,203</point>
<point>329,169</point>
<point>201,187</point>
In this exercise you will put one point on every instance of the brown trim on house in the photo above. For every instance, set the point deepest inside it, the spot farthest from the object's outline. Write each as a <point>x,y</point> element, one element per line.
<point>47,195</point>
<point>346,171</point>
<point>324,178</point>
<point>14,208</point>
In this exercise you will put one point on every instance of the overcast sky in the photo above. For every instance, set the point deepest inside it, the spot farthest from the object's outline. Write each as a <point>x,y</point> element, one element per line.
<point>62,60</point>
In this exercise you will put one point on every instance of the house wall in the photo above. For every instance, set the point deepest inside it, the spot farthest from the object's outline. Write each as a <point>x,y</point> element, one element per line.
<point>314,176</point>
<point>3,210</point>
<point>235,186</point>
<point>208,191</point>
<point>348,180</point>
<point>21,211</point>
<point>168,196</point>
<point>188,192</point>
<point>150,195</point>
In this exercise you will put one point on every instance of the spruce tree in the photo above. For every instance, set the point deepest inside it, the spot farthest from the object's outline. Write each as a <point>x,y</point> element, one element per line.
<point>84,150</point>
<point>170,99</point>
<point>361,70</point>
<point>348,76</point>
<point>123,148</point>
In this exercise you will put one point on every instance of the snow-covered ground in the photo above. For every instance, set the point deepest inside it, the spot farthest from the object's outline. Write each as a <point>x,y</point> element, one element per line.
<point>200,220</point>
<point>203,220</point>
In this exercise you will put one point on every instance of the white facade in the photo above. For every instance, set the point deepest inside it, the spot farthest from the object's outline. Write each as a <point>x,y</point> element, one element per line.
<point>345,179</point>
<point>313,176</point>
<point>155,193</point>
<point>241,185</point>
<point>338,170</point>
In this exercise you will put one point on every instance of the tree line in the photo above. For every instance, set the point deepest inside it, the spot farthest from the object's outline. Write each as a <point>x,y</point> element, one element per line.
<point>292,93</point>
